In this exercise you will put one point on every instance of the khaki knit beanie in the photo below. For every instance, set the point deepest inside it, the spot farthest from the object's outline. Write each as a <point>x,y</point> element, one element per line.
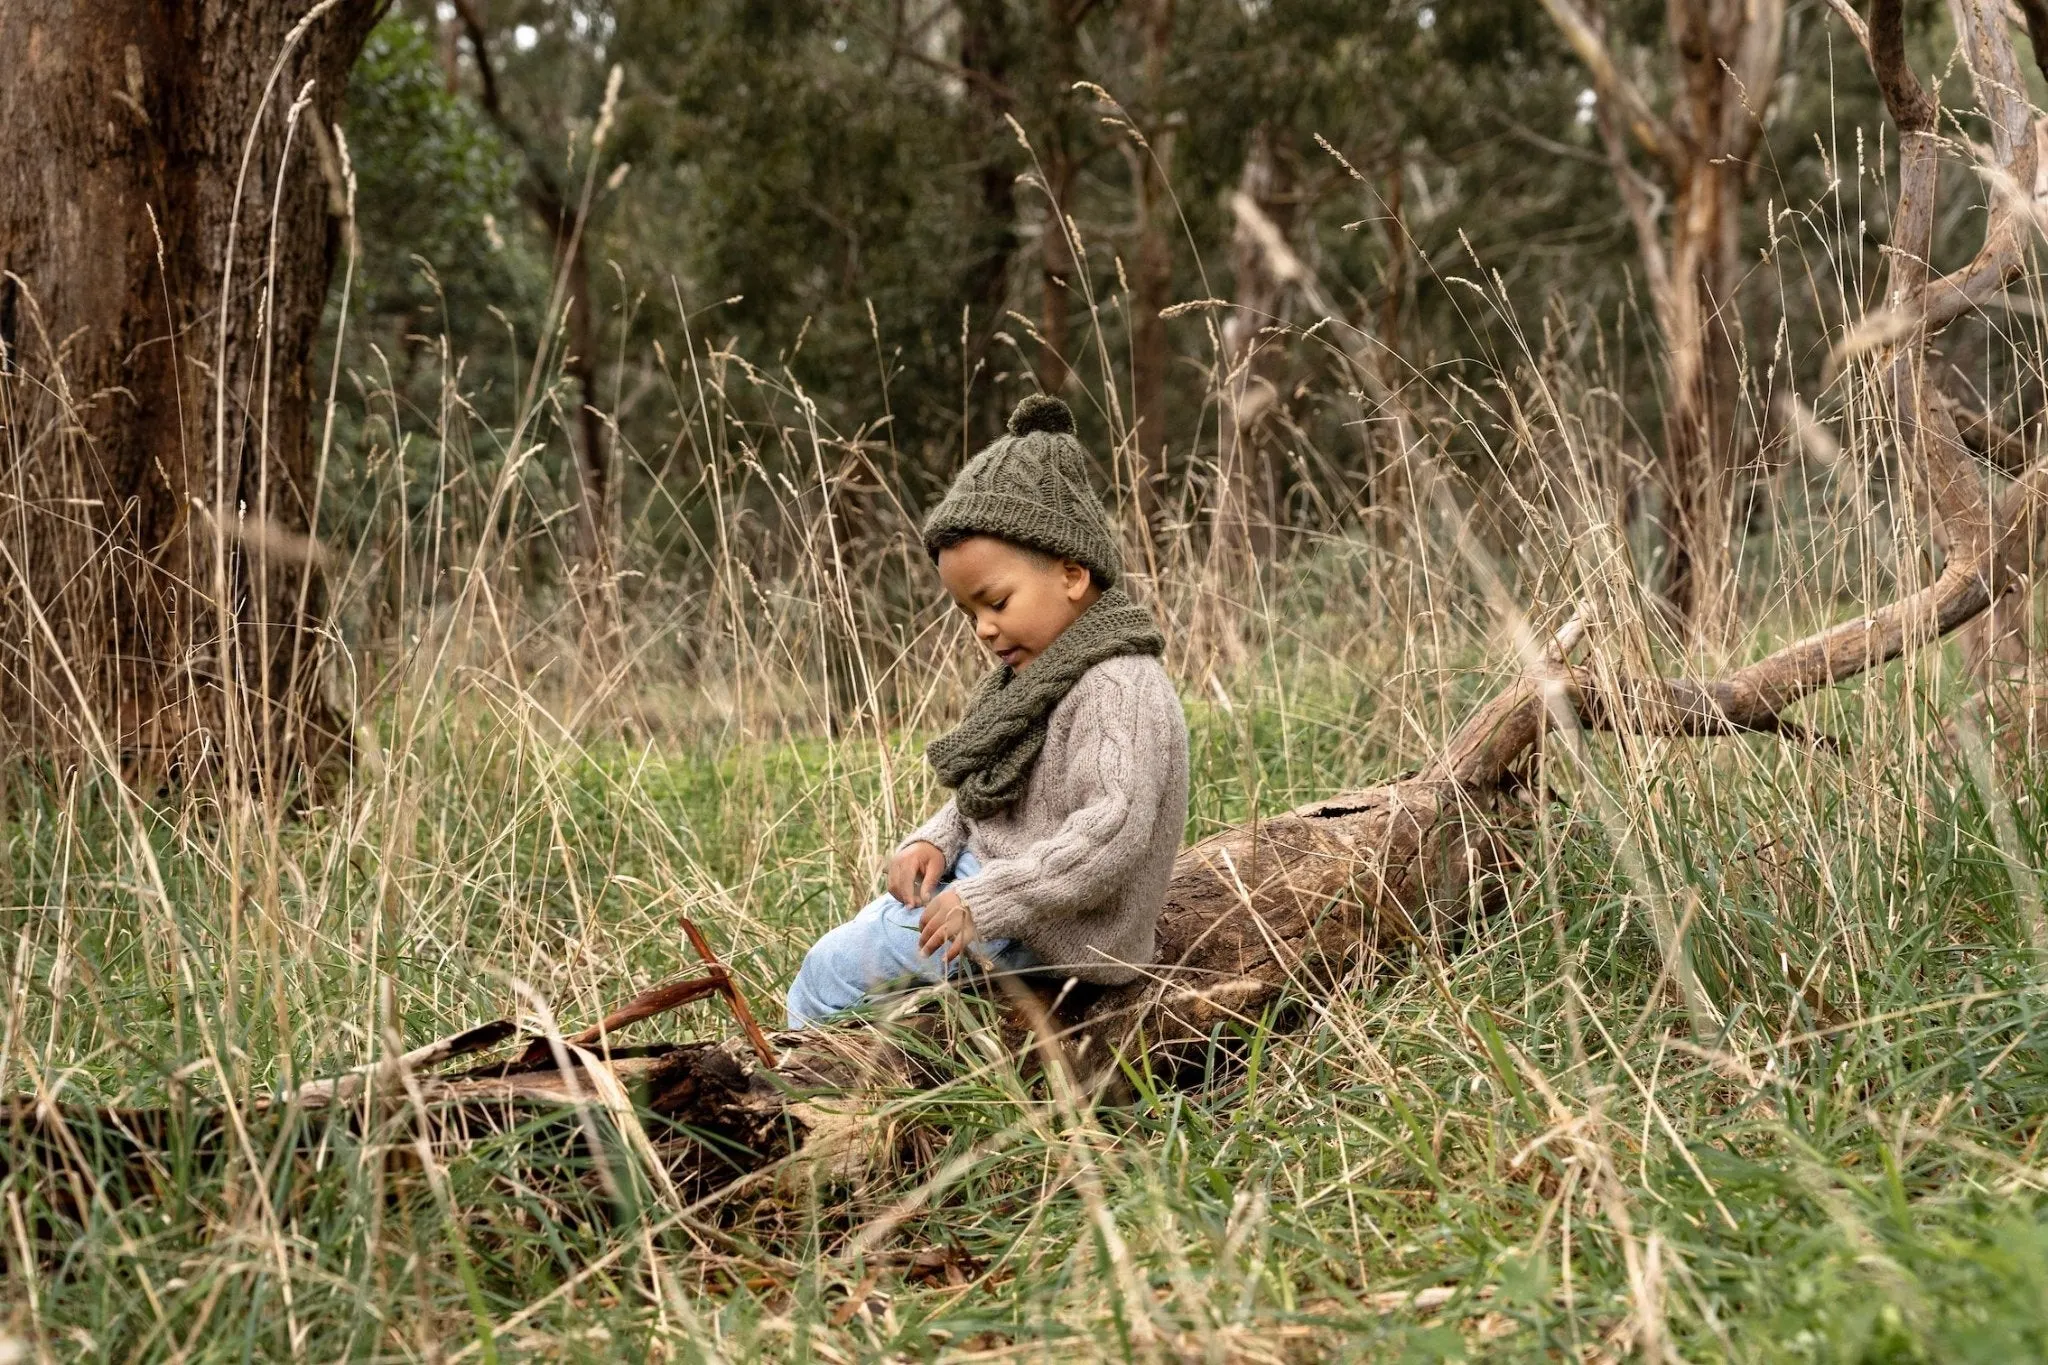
<point>1031,488</point>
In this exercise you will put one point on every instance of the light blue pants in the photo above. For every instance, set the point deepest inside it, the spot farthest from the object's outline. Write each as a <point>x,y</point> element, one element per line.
<point>877,949</point>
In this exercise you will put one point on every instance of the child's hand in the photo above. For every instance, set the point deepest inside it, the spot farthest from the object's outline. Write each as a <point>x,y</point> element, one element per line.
<point>915,871</point>
<point>947,924</point>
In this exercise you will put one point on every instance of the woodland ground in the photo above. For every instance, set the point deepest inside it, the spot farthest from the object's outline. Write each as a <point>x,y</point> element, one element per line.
<point>1516,1147</point>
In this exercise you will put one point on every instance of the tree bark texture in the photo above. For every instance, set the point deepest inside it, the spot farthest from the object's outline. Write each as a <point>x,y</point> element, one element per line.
<point>167,237</point>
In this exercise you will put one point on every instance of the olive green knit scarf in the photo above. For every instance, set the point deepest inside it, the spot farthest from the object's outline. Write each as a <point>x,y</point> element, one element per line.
<point>988,758</point>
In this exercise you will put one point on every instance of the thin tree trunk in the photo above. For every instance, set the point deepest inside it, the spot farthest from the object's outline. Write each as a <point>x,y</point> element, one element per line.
<point>1394,228</point>
<point>561,220</point>
<point>1726,57</point>
<point>985,49</point>
<point>1391,494</point>
<point>1699,419</point>
<point>1242,523</point>
<point>1057,163</point>
<point>1152,266</point>
<point>167,238</point>
<point>2001,648</point>
<point>1056,273</point>
<point>593,453</point>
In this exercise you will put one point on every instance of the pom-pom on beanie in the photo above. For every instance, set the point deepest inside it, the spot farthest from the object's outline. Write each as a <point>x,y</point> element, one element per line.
<point>1031,488</point>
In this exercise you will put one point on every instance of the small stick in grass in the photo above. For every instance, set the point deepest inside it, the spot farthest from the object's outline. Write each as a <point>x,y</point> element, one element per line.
<point>718,980</point>
<point>732,995</point>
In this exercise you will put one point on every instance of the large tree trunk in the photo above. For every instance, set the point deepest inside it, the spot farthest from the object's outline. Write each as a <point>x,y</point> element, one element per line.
<point>167,236</point>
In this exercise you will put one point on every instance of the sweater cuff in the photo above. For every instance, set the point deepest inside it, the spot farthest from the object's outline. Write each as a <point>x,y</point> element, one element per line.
<point>945,831</point>
<point>996,913</point>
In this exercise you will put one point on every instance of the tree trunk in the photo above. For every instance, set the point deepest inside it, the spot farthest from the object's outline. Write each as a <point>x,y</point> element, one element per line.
<point>1152,266</point>
<point>167,237</point>
<point>593,451</point>
<point>1391,494</point>
<point>565,223</point>
<point>1699,469</point>
<point>985,50</point>
<point>1246,484</point>
<point>1999,647</point>
<point>1057,165</point>
<point>1726,55</point>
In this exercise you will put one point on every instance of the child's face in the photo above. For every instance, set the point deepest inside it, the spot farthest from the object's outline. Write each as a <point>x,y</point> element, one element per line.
<point>1019,600</point>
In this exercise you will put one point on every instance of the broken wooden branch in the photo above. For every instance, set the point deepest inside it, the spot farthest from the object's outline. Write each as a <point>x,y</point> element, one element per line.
<point>716,980</point>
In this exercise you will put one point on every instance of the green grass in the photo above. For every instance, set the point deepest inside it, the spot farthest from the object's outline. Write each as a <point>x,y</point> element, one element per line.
<point>1848,1169</point>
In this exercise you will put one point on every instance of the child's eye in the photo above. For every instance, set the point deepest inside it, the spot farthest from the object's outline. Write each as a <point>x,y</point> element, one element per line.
<point>998,606</point>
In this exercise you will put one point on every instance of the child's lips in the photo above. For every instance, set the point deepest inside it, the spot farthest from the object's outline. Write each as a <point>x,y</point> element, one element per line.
<point>1011,655</point>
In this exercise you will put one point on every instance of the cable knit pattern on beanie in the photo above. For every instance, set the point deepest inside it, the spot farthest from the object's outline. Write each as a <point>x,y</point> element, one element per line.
<point>1032,488</point>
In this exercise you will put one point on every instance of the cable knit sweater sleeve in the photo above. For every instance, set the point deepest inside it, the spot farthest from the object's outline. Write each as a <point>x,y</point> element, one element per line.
<point>945,830</point>
<point>1127,744</point>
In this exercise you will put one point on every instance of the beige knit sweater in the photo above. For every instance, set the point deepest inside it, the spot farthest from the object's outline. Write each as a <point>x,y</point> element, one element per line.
<point>1077,869</point>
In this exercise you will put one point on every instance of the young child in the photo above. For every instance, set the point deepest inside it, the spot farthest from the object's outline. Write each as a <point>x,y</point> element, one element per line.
<point>1070,769</point>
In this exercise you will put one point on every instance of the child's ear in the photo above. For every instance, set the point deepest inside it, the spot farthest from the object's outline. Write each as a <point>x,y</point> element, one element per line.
<point>1077,579</point>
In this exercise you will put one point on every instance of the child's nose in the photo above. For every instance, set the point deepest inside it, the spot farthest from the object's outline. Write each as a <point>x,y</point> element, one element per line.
<point>985,627</point>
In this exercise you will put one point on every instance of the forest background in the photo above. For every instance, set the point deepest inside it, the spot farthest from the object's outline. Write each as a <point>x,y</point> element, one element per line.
<point>1416,342</point>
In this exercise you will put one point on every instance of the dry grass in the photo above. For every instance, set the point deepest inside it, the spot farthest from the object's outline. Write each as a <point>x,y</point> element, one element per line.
<point>1524,1149</point>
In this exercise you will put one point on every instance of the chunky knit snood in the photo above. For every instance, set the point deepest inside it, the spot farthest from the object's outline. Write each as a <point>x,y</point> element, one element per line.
<point>988,758</point>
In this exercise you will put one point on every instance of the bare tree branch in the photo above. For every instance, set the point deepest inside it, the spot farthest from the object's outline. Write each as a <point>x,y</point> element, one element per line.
<point>1859,30</point>
<point>1657,137</point>
<point>1909,104</point>
<point>1918,302</point>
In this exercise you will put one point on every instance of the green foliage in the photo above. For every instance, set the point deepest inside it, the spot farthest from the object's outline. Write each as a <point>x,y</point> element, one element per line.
<point>435,195</point>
